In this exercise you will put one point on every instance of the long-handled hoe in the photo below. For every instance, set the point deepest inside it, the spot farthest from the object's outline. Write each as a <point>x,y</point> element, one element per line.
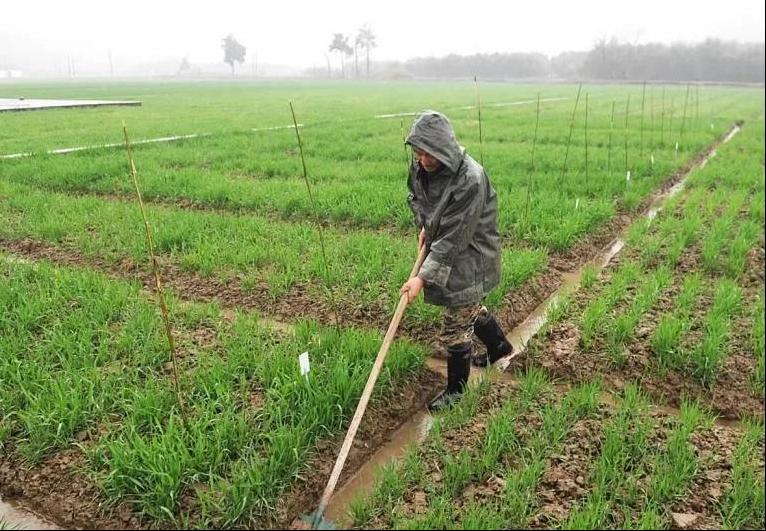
<point>316,519</point>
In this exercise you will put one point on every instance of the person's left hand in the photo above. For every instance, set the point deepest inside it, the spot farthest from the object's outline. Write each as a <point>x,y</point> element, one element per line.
<point>412,288</point>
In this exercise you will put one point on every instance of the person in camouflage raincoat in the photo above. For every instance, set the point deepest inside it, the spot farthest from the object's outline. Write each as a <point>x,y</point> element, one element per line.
<point>455,207</point>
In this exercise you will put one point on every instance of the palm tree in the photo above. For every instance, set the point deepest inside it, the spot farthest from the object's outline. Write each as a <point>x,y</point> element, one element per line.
<point>366,39</point>
<point>340,44</point>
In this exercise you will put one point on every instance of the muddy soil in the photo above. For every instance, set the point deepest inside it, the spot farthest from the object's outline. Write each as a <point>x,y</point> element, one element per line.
<point>308,301</point>
<point>567,478</point>
<point>59,488</point>
<point>732,395</point>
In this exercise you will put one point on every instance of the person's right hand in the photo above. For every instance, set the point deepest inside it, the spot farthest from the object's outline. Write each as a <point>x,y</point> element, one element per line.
<point>421,239</point>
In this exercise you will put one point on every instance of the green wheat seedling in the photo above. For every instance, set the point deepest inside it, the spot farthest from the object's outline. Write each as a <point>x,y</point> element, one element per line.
<point>624,449</point>
<point>621,330</point>
<point>714,243</point>
<point>707,356</point>
<point>595,315</point>
<point>743,504</point>
<point>745,240</point>
<point>666,338</point>
<point>672,469</point>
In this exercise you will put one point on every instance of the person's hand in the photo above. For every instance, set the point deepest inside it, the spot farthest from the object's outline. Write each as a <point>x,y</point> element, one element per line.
<point>412,288</point>
<point>421,239</point>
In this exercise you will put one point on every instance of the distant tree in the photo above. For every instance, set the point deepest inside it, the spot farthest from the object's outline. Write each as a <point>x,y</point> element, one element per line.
<point>366,40</point>
<point>357,45</point>
<point>233,51</point>
<point>183,67</point>
<point>340,44</point>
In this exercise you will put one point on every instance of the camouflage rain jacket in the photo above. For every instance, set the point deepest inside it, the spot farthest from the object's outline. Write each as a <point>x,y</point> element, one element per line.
<point>457,206</point>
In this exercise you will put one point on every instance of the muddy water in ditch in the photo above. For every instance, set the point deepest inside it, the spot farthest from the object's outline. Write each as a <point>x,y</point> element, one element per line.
<point>16,517</point>
<point>416,429</point>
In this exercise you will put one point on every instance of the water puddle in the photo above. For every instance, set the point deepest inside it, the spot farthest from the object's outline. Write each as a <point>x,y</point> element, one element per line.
<point>24,104</point>
<point>64,151</point>
<point>15,517</point>
<point>412,432</point>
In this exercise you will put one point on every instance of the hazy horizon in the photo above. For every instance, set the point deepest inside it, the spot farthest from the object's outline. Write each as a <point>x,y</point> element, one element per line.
<point>42,36</point>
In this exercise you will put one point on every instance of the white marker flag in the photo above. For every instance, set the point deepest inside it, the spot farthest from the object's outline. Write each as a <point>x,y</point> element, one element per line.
<point>303,361</point>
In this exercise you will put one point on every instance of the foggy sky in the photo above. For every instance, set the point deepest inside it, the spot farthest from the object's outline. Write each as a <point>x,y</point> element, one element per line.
<point>298,33</point>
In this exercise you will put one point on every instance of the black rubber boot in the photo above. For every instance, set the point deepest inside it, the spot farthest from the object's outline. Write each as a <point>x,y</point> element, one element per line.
<point>493,337</point>
<point>458,369</point>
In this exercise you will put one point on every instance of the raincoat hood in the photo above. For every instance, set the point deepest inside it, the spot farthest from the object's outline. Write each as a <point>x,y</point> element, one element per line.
<point>432,133</point>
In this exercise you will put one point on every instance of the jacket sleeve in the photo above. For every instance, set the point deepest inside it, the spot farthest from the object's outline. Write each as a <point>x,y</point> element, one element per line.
<point>456,229</point>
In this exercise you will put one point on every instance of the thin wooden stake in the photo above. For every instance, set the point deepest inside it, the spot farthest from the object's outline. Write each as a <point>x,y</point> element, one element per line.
<point>662,120</point>
<point>157,279</point>
<point>683,120</point>
<point>532,164</point>
<point>478,106</point>
<point>566,154</point>
<point>627,113</point>
<point>609,149</point>
<point>586,143</point>
<point>319,224</point>
<point>643,101</point>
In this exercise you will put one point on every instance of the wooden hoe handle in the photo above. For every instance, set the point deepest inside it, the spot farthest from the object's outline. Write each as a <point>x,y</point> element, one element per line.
<point>360,408</point>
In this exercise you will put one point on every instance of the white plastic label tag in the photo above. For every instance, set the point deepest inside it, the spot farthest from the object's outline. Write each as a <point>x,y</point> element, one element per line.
<point>303,361</point>
<point>628,176</point>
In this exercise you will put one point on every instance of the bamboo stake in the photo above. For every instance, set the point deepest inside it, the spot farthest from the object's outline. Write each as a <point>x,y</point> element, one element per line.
<point>643,101</point>
<point>532,164</point>
<point>157,279</point>
<point>697,110</point>
<point>670,120</point>
<point>683,120</point>
<point>651,120</point>
<point>478,106</point>
<point>627,113</point>
<point>662,120</point>
<point>586,143</point>
<point>566,154</point>
<point>319,224</point>
<point>609,149</point>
